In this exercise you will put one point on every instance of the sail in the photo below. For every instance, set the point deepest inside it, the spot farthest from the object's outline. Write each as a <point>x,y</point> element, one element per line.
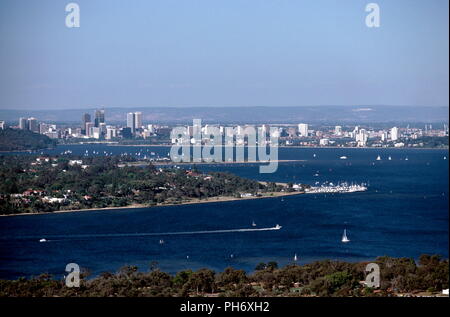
<point>344,236</point>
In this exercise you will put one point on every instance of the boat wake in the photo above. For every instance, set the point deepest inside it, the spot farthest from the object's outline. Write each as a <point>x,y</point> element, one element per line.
<point>50,238</point>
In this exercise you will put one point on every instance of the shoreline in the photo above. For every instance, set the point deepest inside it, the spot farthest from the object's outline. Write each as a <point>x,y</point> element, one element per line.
<point>280,146</point>
<point>213,163</point>
<point>297,147</point>
<point>218,199</point>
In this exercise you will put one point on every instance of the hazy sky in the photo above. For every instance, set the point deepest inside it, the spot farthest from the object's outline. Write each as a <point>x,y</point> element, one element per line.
<point>222,52</point>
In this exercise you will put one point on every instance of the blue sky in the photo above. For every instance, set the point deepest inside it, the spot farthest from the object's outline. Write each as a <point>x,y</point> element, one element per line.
<point>222,53</point>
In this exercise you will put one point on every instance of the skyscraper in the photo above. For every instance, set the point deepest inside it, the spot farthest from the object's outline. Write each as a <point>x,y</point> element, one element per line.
<point>99,117</point>
<point>102,127</point>
<point>134,121</point>
<point>394,133</point>
<point>2,125</point>
<point>33,125</point>
<point>303,129</point>
<point>361,137</point>
<point>137,120</point>
<point>85,118</point>
<point>131,122</point>
<point>23,124</point>
<point>88,129</point>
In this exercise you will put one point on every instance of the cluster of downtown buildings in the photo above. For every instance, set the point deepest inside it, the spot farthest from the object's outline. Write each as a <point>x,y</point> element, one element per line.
<point>357,136</point>
<point>92,127</point>
<point>95,127</point>
<point>98,129</point>
<point>337,136</point>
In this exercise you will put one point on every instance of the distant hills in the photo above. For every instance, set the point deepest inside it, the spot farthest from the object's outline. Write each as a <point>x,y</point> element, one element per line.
<point>310,114</point>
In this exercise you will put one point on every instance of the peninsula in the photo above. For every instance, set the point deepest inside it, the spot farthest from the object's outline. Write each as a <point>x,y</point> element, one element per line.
<point>39,184</point>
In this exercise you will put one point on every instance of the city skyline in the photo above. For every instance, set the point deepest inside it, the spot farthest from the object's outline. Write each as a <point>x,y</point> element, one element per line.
<point>288,149</point>
<point>301,134</point>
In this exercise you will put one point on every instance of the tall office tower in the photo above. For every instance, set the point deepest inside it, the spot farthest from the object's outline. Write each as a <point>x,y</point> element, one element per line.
<point>33,125</point>
<point>99,117</point>
<point>338,130</point>
<point>23,124</point>
<point>96,133</point>
<point>88,128</point>
<point>85,118</point>
<point>303,129</point>
<point>137,120</point>
<point>2,125</point>
<point>394,133</point>
<point>102,127</point>
<point>131,122</point>
<point>361,137</point>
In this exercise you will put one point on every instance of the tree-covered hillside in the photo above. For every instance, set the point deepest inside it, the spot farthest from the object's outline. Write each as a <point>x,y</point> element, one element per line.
<point>43,184</point>
<point>19,140</point>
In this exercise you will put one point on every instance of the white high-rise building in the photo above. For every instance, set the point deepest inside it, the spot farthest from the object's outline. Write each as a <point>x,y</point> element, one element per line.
<point>111,133</point>
<point>102,127</point>
<point>130,122</point>
<point>394,133</point>
<point>89,126</point>
<point>338,130</point>
<point>33,125</point>
<point>2,125</point>
<point>134,121</point>
<point>95,132</point>
<point>43,128</point>
<point>361,137</point>
<point>23,124</point>
<point>137,120</point>
<point>303,129</point>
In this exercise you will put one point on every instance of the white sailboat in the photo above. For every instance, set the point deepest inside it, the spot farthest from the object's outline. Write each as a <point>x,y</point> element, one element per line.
<point>378,158</point>
<point>295,257</point>
<point>253,224</point>
<point>344,237</point>
<point>389,158</point>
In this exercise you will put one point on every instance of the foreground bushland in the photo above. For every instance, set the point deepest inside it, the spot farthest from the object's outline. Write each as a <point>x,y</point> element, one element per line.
<point>322,278</point>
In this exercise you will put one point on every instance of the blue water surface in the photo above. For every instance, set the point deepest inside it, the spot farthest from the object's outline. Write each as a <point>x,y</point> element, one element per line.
<point>404,213</point>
